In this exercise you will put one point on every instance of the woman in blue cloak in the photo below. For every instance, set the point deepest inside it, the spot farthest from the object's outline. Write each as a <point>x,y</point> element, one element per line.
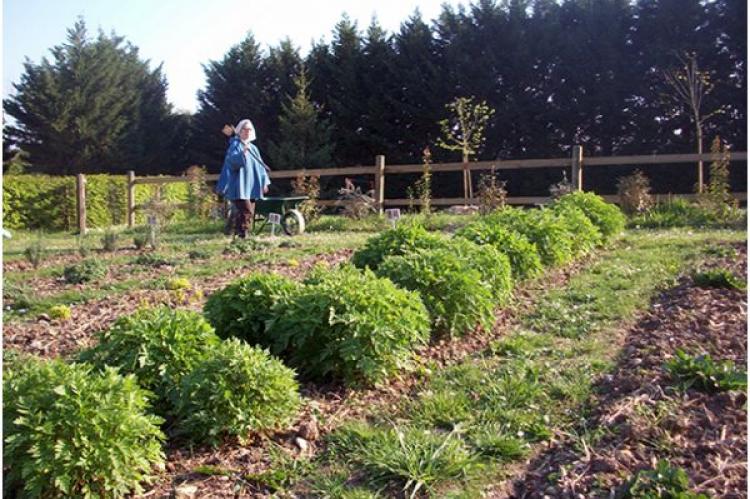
<point>243,178</point>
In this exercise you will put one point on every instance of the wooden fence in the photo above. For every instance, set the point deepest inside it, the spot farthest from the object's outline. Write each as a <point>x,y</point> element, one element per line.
<point>380,170</point>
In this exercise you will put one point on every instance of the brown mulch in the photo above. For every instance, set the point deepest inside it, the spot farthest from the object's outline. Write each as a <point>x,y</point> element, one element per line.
<point>644,416</point>
<point>53,338</point>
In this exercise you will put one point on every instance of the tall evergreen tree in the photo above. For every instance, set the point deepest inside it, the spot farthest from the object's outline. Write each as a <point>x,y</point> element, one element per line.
<point>419,100</point>
<point>305,138</point>
<point>284,63</point>
<point>237,87</point>
<point>84,111</point>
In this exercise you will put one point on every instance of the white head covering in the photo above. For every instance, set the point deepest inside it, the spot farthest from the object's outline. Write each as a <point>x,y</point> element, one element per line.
<point>241,125</point>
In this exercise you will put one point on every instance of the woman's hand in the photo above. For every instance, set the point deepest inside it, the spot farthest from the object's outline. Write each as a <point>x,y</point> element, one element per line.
<point>265,189</point>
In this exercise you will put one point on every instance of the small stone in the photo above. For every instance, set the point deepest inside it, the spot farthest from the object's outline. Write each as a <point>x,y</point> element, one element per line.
<point>44,317</point>
<point>185,491</point>
<point>301,443</point>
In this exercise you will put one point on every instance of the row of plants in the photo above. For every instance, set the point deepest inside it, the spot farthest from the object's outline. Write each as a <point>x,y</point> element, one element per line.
<point>95,426</point>
<point>208,379</point>
<point>468,424</point>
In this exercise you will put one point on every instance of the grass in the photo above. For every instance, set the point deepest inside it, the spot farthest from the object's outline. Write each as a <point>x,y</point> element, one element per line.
<point>468,421</point>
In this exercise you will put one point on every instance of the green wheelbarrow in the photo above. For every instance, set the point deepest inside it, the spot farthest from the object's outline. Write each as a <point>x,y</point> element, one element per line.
<point>290,218</point>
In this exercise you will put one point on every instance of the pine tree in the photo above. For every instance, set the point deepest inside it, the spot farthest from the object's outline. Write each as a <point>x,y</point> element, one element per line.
<point>83,111</point>
<point>237,87</point>
<point>305,139</point>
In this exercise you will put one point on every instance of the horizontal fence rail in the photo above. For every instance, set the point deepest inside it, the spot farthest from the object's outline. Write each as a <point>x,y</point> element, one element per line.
<point>577,163</point>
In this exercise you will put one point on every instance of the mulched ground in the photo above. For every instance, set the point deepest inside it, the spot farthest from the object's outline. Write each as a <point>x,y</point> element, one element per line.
<point>646,418</point>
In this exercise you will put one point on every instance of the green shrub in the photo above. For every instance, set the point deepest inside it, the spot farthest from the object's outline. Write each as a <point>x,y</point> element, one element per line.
<point>199,254</point>
<point>35,252</point>
<point>663,481</point>
<point>523,255</point>
<point>61,312</point>
<point>154,260</point>
<point>585,236</point>
<point>70,432</point>
<point>236,389</point>
<point>451,289</point>
<point>157,345</point>
<point>348,325</point>
<point>397,241</point>
<point>607,217</point>
<point>49,201</point>
<point>109,240</point>
<point>140,241</point>
<point>541,227</point>
<point>242,308</point>
<point>492,265</point>
<point>246,246</point>
<point>703,373</point>
<point>718,278</point>
<point>85,271</point>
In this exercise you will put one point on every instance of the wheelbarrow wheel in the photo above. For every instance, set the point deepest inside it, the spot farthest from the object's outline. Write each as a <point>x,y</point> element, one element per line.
<point>293,222</point>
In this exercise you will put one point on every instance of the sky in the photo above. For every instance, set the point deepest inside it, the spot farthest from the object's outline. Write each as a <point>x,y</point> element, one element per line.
<point>185,34</point>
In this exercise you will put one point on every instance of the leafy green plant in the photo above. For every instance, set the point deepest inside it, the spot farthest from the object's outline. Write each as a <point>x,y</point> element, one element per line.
<point>703,373</point>
<point>242,308</point>
<point>246,246</point>
<point>35,252</point>
<point>718,278</point>
<point>234,390</point>
<point>71,432</point>
<point>85,271</point>
<point>177,283</point>
<point>679,212</point>
<point>661,482</point>
<point>348,325</point>
<point>541,227</point>
<point>492,265</point>
<point>154,260</point>
<point>199,254</point>
<point>406,236</point>
<point>61,312</point>
<point>159,346</point>
<point>523,255</point>
<point>140,241</point>
<point>585,236</point>
<point>410,458</point>
<point>454,293</point>
<point>605,216</point>
<point>109,240</point>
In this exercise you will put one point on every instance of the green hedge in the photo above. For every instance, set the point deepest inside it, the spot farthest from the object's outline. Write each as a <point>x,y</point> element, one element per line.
<point>49,202</point>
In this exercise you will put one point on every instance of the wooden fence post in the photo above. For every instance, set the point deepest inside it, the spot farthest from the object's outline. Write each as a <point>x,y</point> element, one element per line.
<point>81,202</point>
<point>131,198</point>
<point>379,182</point>
<point>576,177</point>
